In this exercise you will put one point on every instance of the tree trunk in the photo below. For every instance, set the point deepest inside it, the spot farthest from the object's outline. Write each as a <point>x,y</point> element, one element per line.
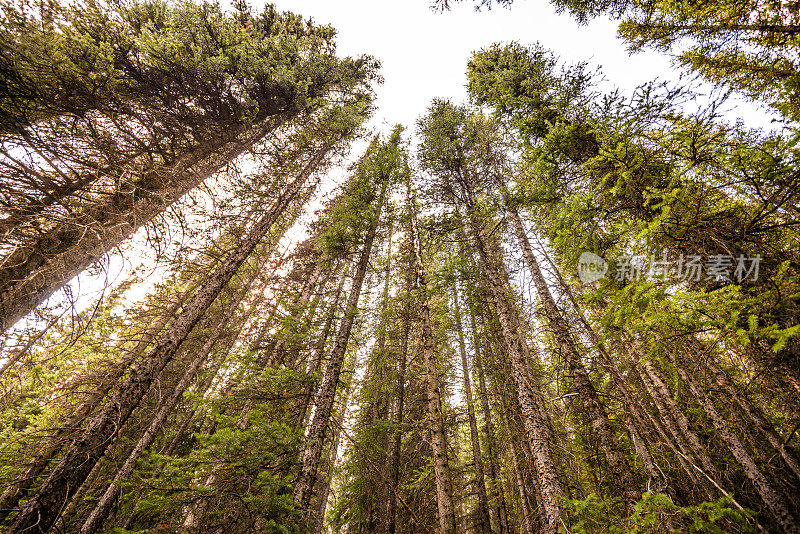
<point>770,495</point>
<point>634,422</point>
<point>670,434</point>
<point>322,503</point>
<point>529,397</point>
<point>317,353</point>
<point>484,524</point>
<point>28,276</point>
<point>498,497</point>
<point>63,519</point>
<point>395,445</point>
<point>756,417</point>
<point>527,517</point>
<point>42,510</point>
<point>444,485</point>
<point>323,400</point>
<point>103,506</point>
<point>302,303</point>
<point>16,491</point>
<point>528,487</point>
<point>621,480</point>
<point>664,395</point>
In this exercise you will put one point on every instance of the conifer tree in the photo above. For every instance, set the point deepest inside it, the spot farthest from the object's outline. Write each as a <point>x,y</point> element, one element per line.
<point>241,104</point>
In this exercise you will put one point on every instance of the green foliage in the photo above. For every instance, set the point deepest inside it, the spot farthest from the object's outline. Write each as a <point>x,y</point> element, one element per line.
<point>656,513</point>
<point>353,211</point>
<point>195,60</point>
<point>251,489</point>
<point>592,171</point>
<point>525,86</point>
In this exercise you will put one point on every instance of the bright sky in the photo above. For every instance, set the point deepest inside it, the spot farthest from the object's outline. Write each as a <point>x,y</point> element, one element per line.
<point>424,53</point>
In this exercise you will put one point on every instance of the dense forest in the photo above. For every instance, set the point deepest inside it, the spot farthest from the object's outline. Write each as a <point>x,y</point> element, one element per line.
<point>556,307</point>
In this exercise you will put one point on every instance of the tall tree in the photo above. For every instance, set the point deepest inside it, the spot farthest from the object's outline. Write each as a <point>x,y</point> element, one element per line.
<point>443,153</point>
<point>444,484</point>
<point>483,523</point>
<point>374,173</point>
<point>42,510</point>
<point>249,103</point>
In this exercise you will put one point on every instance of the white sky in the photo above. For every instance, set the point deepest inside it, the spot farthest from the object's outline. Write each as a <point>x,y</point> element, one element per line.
<point>424,53</point>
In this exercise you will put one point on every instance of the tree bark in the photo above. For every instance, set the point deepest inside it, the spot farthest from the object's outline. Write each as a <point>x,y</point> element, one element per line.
<point>771,496</point>
<point>634,422</point>
<point>484,524</point>
<point>16,491</point>
<point>756,417</point>
<point>529,397</point>
<point>324,397</point>
<point>671,435</point>
<point>621,480</point>
<point>302,303</point>
<point>103,506</point>
<point>498,497</point>
<point>28,276</point>
<point>527,519</point>
<point>664,396</point>
<point>444,485</point>
<point>395,445</point>
<point>324,493</point>
<point>318,351</point>
<point>42,510</point>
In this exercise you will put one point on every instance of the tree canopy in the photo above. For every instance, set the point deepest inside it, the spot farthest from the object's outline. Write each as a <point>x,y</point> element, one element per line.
<point>554,307</point>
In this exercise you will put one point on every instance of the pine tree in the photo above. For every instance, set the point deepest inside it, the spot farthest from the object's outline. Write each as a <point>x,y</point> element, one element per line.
<point>247,105</point>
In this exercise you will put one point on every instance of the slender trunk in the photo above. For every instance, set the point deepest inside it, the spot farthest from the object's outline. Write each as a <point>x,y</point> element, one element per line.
<point>280,349</point>
<point>664,395</point>
<point>531,491</point>
<point>771,495</point>
<point>324,397</point>
<point>317,353</point>
<point>756,417</point>
<point>242,422</point>
<point>666,427</point>
<point>527,519</point>
<point>458,489</point>
<point>529,397</point>
<point>496,486</point>
<point>103,506</point>
<point>648,463</point>
<point>29,275</point>
<point>483,524</point>
<point>444,485</point>
<point>187,419</point>
<point>204,387</point>
<point>505,389</point>
<point>324,493</point>
<point>379,404</point>
<point>395,445</point>
<point>63,519</point>
<point>381,388</point>
<point>42,510</point>
<point>500,509</point>
<point>16,491</point>
<point>621,480</point>
<point>632,417</point>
